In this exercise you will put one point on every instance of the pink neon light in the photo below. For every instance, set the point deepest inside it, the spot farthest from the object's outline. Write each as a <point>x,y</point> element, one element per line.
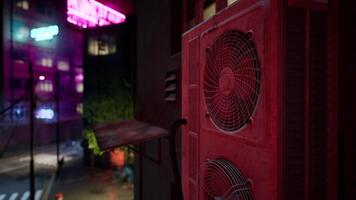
<point>90,13</point>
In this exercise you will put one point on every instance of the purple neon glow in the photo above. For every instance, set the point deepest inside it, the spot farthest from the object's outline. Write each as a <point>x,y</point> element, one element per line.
<point>79,77</point>
<point>90,13</point>
<point>41,78</point>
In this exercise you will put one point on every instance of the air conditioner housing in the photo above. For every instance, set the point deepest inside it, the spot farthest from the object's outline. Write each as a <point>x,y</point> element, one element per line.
<point>284,146</point>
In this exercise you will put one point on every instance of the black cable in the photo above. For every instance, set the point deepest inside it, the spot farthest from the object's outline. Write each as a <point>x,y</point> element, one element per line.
<point>12,105</point>
<point>9,139</point>
<point>173,153</point>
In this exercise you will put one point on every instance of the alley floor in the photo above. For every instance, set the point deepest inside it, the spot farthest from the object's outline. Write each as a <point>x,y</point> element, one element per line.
<point>74,181</point>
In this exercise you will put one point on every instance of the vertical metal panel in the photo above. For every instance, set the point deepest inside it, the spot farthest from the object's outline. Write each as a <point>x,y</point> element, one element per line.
<point>193,61</point>
<point>193,85</point>
<point>193,109</point>
<point>318,106</point>
<point>294,105</point>
<point>193,194</point>
<point>193,156</point>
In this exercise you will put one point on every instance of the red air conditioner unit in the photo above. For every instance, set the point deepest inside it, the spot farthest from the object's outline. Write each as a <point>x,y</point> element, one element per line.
<point>257,92</point>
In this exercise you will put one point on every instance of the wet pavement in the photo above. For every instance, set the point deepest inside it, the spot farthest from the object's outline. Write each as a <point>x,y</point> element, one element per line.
<point>74,180</point>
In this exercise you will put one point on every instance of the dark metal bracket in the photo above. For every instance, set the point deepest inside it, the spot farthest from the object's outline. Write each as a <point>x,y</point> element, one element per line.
<point>139,151</point>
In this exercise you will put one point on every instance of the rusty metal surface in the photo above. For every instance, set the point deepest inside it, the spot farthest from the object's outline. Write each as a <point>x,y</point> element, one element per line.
<point>120,133</point>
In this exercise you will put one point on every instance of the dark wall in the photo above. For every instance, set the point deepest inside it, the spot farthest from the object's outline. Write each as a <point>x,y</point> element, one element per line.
<point>154,59</point>
<point>347,100</point>
<point>109,79</point>
<point>104,73</point>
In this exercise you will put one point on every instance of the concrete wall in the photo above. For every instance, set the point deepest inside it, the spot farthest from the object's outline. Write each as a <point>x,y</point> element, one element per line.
<point>154,59</point>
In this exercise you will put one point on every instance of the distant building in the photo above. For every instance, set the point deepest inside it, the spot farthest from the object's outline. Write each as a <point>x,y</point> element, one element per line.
<point>35,32</point>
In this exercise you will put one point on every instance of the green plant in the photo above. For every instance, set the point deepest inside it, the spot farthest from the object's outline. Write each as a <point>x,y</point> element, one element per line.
<point>92,143</point>
<point>105,108</point>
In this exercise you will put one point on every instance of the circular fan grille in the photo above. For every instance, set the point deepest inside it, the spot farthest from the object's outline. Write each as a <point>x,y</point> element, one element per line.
<point>232,80</point>
<point>223,181</point>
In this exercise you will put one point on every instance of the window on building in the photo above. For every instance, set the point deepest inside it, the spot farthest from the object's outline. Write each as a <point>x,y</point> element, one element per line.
<point>20,32</point>
<point>209,9</point>
<point>80,87</point>
<point>23,4</point>
<point>63,65</point>
<point>79,108</point>
<point>101,45</point>
<point>44,86</point>
<point>45,62</point>
<point>229,2</point>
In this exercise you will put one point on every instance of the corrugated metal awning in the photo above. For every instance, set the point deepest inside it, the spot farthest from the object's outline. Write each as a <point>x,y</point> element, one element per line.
<point>120,133</point>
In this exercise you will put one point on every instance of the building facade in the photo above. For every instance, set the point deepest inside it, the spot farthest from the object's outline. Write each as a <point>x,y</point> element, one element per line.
<point>35,33</point>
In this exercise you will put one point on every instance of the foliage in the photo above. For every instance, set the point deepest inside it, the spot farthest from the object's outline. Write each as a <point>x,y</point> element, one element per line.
<point>92,143</point>
<point>105,108</point>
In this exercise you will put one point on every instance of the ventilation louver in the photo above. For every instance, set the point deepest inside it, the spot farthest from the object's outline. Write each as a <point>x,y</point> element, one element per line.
<point>223,181</point>
<point>232,80</point>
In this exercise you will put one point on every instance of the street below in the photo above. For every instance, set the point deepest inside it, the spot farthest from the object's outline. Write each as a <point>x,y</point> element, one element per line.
<point>74,180</point>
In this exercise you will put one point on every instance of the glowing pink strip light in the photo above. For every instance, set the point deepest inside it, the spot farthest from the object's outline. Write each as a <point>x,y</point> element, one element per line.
<point>90,13</point>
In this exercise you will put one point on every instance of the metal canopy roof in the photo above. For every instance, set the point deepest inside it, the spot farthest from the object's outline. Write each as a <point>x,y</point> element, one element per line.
<point>120,133</point>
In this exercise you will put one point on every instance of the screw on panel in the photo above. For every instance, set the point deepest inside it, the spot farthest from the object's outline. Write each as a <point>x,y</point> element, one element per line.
<point>249,121</point>
<point>249,34</point>
<point>207,50</point>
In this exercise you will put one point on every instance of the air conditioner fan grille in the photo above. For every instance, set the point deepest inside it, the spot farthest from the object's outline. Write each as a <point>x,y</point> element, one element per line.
<point>232,80</point>
<point>223,181</point>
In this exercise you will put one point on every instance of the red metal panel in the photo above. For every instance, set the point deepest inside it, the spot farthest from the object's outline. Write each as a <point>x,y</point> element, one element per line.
<point>248,148</point>
<point>193,157</point>
<point>256,147</point>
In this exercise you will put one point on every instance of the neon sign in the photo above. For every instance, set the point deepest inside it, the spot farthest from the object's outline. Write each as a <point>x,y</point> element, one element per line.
<point>45,113</point>
<point>44,33</point>
<point>90,13</point>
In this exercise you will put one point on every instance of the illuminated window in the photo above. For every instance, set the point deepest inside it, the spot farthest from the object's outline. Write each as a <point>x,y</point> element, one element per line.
<point>80,87</point>
<point>229,2</point>
<point>63,66</point>
<point>209,11</point>
<point>44,86</point>
<point>46,62</point>
<point>99,46</point>
<point>23,4</point>
<point>79,108</point>
<point>20,31</point>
